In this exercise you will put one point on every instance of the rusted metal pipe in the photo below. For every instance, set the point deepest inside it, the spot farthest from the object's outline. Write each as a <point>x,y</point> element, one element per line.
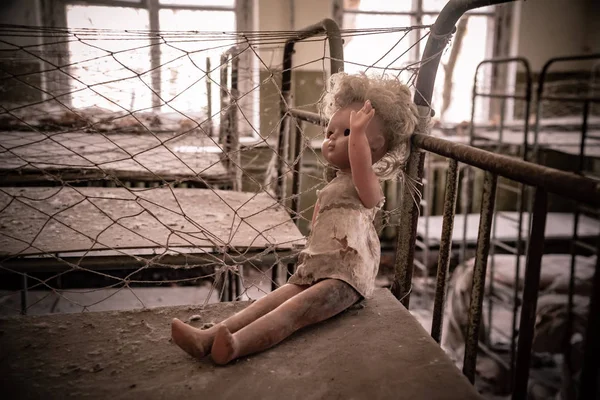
<point>229,136</point>
<point>407,231</point>
<point>477,292</point>
<point>566,184</point>
<point>466,204</point>
<point>209,99</point>
<point>531,286</point>
<point>308,116</point>
<point>296,169</point>
<point>523,204</point>
<point>224,97</point>
<point>437,41</point>
<point>445,248</point>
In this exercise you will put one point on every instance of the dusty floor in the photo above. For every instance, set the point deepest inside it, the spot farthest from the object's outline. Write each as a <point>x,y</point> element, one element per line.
<point>379,351</point>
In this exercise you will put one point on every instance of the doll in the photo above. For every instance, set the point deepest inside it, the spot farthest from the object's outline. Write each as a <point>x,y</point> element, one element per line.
<point>367,139</point>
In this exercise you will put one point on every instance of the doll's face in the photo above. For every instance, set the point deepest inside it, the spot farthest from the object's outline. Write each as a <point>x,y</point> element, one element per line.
<point>335,145</point>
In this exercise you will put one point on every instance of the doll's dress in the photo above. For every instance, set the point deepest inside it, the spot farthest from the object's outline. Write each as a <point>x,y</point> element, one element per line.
<point>343,243</point>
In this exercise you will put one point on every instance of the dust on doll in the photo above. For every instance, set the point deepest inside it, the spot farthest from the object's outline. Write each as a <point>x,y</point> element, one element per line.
<point>367,140</point>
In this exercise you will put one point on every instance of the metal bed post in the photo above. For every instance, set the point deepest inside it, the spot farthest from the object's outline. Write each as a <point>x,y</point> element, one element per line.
<point>445,250</point>
<point>209,98</point>
<point>531,287</point>
<point>440,31</point>
<point>330,29</point>
<point>521,205</point>
<point>229,137</point>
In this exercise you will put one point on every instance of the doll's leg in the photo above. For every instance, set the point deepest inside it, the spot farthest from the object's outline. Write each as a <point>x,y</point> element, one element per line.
<point>197,342</point>
<point>319,302</point>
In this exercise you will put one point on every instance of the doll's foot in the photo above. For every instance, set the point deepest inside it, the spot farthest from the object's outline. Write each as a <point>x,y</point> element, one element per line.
<point>224,346</point>
<point>191,340</point>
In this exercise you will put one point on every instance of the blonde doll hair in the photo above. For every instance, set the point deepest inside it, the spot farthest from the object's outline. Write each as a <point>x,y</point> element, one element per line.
<point>393,103</point>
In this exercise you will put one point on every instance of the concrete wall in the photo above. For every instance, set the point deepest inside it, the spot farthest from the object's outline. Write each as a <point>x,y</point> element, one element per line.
<point>19,12</point>
<point>288,15</point>
<point>592,27</point>
<point>550,28</point>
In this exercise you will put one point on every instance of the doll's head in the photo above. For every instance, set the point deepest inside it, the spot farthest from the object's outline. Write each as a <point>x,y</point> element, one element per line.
<point>395,114</point>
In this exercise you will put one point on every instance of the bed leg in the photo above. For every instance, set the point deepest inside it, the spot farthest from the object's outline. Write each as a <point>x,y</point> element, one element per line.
<point>290,270</point>
<point>275,277</point>
<point>24,296</point>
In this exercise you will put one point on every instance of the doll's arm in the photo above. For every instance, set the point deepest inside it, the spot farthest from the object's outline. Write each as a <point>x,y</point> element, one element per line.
<point>359,152</point>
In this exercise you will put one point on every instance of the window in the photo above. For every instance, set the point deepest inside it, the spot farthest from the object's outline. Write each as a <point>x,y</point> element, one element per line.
<point>143,55</point>
<point>363,51</point>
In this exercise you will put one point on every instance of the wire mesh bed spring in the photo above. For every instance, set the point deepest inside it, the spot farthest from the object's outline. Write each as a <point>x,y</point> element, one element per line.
<point>114,170</point>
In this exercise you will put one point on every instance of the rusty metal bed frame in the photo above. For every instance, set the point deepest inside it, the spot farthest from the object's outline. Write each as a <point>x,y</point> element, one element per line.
<point>542,179</point>
<point>530,148</point>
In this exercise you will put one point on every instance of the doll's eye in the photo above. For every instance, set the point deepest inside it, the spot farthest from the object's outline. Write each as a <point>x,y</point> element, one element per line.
<point>347,132</point>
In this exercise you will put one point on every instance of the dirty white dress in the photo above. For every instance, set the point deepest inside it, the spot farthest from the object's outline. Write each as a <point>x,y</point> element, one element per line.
<point>343,243</point>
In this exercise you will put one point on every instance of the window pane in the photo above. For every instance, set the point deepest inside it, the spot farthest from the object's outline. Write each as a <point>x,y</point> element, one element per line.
<point>109,65</point>
<point>183,57</point>
<point>434,5</point>
<point>218,3</point>
<point>437,5</point>
<point>472,52</point>
<point>378,5</point>
<point>380,48</point>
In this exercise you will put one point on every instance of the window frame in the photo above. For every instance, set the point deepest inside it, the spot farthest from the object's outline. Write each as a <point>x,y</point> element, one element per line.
<point>54,14</point>
<point>416,16</point>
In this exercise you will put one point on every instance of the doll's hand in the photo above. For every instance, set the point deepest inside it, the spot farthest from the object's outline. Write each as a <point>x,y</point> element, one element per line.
<point>360,120</point>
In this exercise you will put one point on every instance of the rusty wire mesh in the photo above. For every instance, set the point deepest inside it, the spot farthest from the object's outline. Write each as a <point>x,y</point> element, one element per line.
<point>122,172</point>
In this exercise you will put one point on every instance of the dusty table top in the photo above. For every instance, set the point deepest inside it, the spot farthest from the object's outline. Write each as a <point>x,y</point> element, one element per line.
<point>376,352</point>
<point>62,220</point>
